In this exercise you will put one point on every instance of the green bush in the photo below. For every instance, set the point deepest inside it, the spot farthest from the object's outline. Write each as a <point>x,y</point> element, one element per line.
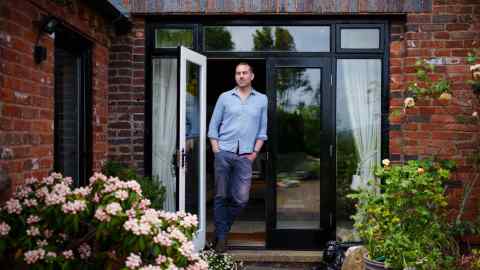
<point>152,188</point>
<point>405,225</point>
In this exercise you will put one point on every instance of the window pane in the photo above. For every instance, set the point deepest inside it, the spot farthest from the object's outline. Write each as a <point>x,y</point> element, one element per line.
<point>192,137</point>
<point>298,159</point>
<point>164,126</point>
<point>267,38</point>
<point>173,37</point>
<point>358,121</point>
<point>360,38</point>
<point>67,152</point>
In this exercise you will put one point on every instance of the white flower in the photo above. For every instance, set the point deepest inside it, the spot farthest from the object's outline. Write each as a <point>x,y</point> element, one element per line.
<point>13,206</point>
<point>4,229</point>
<point>409,102</point>
<point>160,259</point>
<point>386,162</point>
<point>475,114</point>
<point>113,208</point>
<point>31,180</point>
<point>133,261</point>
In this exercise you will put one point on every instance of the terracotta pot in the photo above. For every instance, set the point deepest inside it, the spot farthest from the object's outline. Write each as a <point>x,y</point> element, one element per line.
<point>372,265</point>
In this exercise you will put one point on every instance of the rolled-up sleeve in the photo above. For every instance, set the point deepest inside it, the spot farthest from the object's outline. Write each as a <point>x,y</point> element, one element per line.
<point>216,119</point>
<point>262,131</point>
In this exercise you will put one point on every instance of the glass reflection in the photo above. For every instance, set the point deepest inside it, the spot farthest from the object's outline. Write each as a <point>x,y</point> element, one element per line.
<point>173,37</point>
<point>298,161</point>
<point>358,121</point>
<point>267,38</point>
<point>192,139</point>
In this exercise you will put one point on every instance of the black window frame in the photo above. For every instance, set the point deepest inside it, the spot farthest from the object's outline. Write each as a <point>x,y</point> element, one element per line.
<point>382,38</point>
<point>335,22</point>
<point>82,48</point>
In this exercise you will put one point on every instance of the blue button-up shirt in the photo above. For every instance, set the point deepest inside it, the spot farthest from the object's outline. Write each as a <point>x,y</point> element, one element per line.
<point>236,124</point>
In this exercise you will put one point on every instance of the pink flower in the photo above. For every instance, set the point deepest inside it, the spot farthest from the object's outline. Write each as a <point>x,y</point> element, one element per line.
<point>51,254</point>
<point>33,231</point>
<point>121,194</point>
<point>4,229</point>
<point>133,261</point>
<point>101,215</point>
<point>82,191</point>
<point>113,208</point>
<point>32,256</point>
<point>13,206</point>
<point>74,207</point>
<point>68,254</point>
<point>163,239</point>
<point>31,180</point>
<point>189,221</point>
<point>160,259</point>
<point>42,243</point>
<point>84,250</point>
<point>33,219</point>
<point>144,204</point>
<point>30,202</point>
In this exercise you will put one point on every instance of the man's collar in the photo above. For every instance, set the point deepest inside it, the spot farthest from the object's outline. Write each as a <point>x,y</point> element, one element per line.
<point>235,91</point>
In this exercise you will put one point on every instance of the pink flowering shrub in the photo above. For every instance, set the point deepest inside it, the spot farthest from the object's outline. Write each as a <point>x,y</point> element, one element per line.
<point>48,225</point>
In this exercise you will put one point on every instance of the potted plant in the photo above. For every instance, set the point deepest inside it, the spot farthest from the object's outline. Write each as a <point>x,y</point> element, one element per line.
<point>402,217</point>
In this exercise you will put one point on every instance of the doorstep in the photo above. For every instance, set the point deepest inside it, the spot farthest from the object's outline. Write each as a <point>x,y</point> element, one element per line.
<point>277,256</point>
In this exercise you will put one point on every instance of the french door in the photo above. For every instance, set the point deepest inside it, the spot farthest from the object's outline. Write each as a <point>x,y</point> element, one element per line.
<point>301,179</point>
<point>192,70</point>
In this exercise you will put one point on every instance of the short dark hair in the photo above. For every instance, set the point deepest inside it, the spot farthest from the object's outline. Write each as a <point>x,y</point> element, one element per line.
<point>244,64</point>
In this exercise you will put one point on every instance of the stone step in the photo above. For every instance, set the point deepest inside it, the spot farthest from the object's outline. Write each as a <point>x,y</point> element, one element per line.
<point>277,256</point>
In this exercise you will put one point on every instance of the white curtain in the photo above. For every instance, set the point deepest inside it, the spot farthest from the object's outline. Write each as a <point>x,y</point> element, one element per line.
<point>360,82</point>
<point>164,126</point>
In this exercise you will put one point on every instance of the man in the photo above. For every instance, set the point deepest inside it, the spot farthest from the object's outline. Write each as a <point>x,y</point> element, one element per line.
<point>237,131</point>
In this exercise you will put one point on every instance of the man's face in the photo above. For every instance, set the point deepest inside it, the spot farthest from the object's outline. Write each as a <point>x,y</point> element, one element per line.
<point>243,76</point>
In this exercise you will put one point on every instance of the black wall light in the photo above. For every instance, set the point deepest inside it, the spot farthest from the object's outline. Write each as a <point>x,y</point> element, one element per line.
<point>48,25</point>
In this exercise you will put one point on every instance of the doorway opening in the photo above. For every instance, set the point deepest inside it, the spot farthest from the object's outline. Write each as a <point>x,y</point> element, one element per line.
<point>249,229</point>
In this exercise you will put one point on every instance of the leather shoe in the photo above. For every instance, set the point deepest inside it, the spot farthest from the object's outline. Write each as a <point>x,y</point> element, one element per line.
<point>220,246</point>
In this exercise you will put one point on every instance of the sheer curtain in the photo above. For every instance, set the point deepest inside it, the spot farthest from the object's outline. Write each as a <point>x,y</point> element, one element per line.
<point>164,126</point>
<point>361,86</point>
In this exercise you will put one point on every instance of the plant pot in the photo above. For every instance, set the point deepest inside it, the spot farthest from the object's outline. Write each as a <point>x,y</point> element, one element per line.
<point>372,265</point>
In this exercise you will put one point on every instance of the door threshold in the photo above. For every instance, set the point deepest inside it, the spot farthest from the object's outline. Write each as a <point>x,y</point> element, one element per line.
<point>278,256</point>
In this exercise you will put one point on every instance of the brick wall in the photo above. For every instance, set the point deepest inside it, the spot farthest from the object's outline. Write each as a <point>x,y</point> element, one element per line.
<point>436,128</point>
<point>127,97</point>
<point>27,89</point>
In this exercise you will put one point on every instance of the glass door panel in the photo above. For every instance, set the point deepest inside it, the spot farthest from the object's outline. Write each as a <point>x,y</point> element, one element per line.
<point>300,199</point>
<point>298,158</point>
<point>192,138</point>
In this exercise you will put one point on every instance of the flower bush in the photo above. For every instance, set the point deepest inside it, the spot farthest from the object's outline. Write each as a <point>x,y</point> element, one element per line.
<point>218,261</point>
<point>405,225</point>
<point>49,225</point>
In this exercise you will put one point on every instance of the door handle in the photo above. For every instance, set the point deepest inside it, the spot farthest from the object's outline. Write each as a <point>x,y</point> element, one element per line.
<point>183,155</point>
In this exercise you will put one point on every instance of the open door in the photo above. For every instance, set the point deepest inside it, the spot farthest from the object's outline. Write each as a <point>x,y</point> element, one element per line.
<point>192,138</point>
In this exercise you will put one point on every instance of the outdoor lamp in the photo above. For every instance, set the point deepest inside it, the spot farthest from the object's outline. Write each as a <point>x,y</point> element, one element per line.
<point>48,25</point>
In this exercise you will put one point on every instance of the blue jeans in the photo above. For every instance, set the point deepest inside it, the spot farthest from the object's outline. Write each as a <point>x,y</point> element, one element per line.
<point>233,178</point>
